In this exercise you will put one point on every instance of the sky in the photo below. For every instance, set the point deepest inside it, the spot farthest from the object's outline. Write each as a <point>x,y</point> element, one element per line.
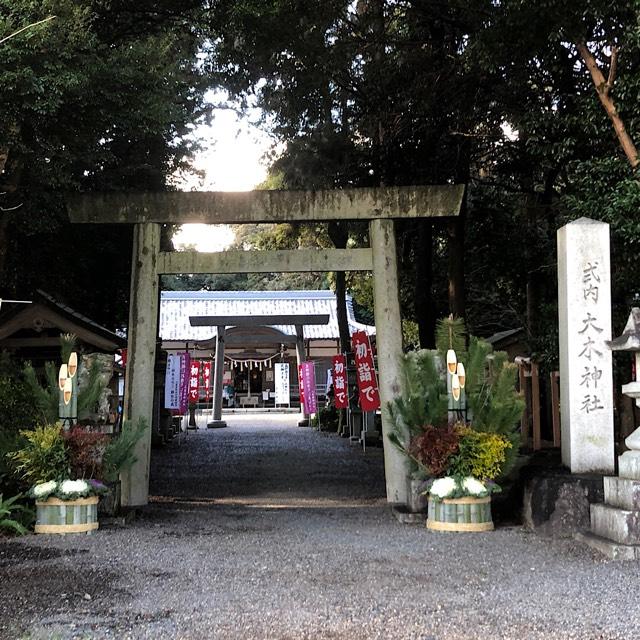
<point>232,160</point>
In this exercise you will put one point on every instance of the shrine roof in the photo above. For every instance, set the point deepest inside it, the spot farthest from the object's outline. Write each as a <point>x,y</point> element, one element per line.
<point>177,306</point>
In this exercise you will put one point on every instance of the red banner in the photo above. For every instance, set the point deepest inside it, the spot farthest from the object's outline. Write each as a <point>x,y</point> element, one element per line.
<point>340,393</point>
<point>365,372</point>
<point>301,385</point>
<point>206,378</point>
<point>194,380</point>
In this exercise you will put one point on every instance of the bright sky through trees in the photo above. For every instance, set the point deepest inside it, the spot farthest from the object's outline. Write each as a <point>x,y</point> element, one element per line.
<point>231,160</point>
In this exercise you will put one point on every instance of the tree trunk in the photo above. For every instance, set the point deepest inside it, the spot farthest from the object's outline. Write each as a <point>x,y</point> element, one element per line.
<point>455,233</point>
<point>339,235</point>
<point>603,88</point>
<point>423,285</point>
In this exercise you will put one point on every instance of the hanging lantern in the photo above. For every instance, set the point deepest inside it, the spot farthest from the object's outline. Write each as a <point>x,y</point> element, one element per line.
<point>72,367</point>
<point>452,360</point>
<point>66,391</point>
<point>62,376</point>
<point>461,374</point>
<point>455,387</point>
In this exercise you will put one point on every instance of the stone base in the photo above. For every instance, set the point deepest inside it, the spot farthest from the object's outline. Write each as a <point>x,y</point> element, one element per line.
<point>417,502</point>
<point>629,465</point>
<point>216,424</point>
<point>620,525</point>
<point>556,502</point>
<point>608,548</point>
<point>304,422</point>
<point>403,515</point>
<point>622,493</point>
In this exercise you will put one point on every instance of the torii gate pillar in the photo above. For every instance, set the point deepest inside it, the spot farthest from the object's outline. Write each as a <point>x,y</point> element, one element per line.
<point>141,338</point>
<point>389,347</point>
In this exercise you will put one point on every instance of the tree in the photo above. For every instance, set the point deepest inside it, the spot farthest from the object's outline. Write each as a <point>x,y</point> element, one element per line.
<point>99,98</point>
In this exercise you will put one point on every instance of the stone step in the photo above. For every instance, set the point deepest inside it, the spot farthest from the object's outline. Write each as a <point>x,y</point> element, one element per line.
<point>622,493</point>
<point>629,465</point>
<point>608,548</point>
<point>619,525</point>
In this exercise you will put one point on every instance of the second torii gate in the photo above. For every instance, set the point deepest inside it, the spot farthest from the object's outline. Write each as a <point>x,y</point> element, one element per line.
<point>148,211</point>
<point>222,322</point>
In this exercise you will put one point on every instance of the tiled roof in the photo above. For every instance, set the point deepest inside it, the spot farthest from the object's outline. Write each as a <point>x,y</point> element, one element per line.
<point>177,306</point>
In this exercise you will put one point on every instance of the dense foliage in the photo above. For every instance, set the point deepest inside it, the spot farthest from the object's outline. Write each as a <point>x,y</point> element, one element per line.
<point>502,96</point>
<point>100,97</point>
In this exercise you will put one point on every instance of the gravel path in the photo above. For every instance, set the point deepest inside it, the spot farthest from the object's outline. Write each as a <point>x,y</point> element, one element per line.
<point>266,530</point>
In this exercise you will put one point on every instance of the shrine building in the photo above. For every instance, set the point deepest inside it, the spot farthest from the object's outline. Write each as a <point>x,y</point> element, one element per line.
<point>251,352</point>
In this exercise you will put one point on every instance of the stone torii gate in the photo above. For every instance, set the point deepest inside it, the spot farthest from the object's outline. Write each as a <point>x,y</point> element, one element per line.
<point>148,211</point>
<point>222,322</point>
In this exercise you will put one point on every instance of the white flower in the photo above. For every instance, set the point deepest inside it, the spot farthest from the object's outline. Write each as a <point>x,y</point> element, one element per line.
<point>443,487</point>
<point>44,488</point>
<point>473,487</point>
<point>73,486</point>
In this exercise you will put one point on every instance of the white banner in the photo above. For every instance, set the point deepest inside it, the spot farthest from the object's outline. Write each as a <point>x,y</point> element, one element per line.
<point>281,371</point>
<point>172,383</point>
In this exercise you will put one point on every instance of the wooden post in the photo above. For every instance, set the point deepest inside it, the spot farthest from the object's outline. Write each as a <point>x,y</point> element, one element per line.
<point>389,347</point>
<point>141,350</point>
<point>524,420</point>
<point>555,407</point>
<point>535,406</point>
<point>218,375</point>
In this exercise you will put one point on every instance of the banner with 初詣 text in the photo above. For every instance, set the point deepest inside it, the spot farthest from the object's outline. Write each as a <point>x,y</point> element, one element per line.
<point>194,380</point>
<point>365,372</point>
<point>340,394</point>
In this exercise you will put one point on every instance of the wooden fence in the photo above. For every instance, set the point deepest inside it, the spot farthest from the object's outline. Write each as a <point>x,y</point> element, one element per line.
<point>531,424</point>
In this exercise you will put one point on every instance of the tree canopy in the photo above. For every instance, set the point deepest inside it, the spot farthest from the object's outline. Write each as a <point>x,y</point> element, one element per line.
<point>532,105</point>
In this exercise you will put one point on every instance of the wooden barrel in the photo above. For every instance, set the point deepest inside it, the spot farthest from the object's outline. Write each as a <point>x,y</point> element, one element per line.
<point>460,514</point>
<point>67,516</point>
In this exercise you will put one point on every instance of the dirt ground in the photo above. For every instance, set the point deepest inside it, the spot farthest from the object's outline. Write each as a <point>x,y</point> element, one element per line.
<point>268,530</point>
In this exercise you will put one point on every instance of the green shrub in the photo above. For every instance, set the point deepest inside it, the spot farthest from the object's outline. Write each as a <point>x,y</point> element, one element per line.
<point>17,408</point>
<point>327,417</point>
<point>480,454</point>
<point>119,453</point>
<point>14,515</point>
<point>10,441</point>
<point>44,456</point>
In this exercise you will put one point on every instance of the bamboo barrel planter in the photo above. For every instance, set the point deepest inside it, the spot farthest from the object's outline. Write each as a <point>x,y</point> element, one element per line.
<point>67,516</point>
<point>460,514</point>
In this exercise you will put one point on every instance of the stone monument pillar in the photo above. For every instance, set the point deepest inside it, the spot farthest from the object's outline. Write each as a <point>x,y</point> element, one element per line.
<point>584,310</point>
